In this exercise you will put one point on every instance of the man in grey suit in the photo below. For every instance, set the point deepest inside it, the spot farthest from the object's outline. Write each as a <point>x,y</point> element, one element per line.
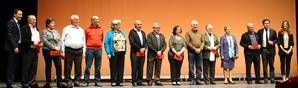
<point>156,46</point>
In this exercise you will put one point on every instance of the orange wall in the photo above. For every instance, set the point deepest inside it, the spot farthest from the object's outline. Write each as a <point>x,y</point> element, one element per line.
<point>169,13</point>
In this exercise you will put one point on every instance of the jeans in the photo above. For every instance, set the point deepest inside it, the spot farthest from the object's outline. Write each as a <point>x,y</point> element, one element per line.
<point>195,64</point>
<point>93,54</point>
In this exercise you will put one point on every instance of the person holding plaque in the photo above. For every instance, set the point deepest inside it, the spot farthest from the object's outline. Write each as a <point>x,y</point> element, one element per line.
<point>250,42</point>
<point>210,54</point>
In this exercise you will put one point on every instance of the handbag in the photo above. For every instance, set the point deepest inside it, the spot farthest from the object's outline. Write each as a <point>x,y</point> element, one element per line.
<point>178,57</point>
<point>55,53</point>
<point>140,54</point>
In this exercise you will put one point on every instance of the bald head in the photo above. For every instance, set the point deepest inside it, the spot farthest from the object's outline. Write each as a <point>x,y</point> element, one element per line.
<point>156,27</point>
<point>194,24</point>
<point>138,24</point>
<point>95,20</point>
<point>250,27</point>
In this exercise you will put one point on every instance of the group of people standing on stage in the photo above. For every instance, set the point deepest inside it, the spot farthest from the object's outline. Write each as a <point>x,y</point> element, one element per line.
<point>203,50</point>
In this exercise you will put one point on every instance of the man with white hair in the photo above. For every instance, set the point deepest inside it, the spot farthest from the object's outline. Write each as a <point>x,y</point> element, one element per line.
<point>250,41</point>
<point>73,48</point>
<point>137,40</point>
<point>31,44</point>
<point>210,53</point>
<point>195,44</point>
<point>94,40</point>
<point>156,46</point>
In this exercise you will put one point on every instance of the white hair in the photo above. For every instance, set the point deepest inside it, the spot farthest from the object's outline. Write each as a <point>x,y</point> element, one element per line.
<point>209,26</point>
<point>30,17</point>
<point>72,17</point>
<point>116,21</point>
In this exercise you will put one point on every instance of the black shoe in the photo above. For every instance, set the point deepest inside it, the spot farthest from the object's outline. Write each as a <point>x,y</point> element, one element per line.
<point>134,84</point>
<point>150,83</point>
<point>231,82</point>
<point>249,82</point>
<point>60,85</point>
<point>69,85</point>
<point>34,85</point>
<point>206,82</point>
<point>178,83</point>
<point>11,86</point>
<point>192,82</point>
<point>272,81</point>
<point>258,82</point>
<point>212,82</point>
<point>98,84</point>
<point>265,81</point>
<point>140,84</point>
<point>84,84</point>
<point>25,86</point>
<point>47,85</point>
<point>198,82</point>
<point>158,83</point>
<point>118,84</point>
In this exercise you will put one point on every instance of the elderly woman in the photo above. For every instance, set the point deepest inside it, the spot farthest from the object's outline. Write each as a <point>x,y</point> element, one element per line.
<point>115,47</point>
<point>228,52</point>
<point>51,40</point>
<point>176,54</point>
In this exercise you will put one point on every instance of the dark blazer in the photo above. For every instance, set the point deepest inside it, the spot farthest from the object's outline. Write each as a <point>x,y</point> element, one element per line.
<point>27,43</point>
<point>272,37</point>
<point>134,40</point>
<point>152,44</point>
<point>246,41</point>
<point>12,35</point>
<point>281,43</point>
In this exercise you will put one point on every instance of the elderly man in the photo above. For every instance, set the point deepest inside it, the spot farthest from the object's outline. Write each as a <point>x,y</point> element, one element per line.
<point>195,44</point>
<point>73,48</point>
<point>137,40</point>
<point>210,53</point>
<point>94,40</point>
<point>31,44</point>
<point>250,42</point>
<point>156,46</point>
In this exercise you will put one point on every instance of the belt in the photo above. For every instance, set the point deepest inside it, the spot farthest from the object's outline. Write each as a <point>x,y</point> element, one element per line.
<point>73,48</point>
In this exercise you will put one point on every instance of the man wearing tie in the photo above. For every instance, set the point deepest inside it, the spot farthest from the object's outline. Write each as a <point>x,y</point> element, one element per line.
<point>12,45</point>
<point>268,39</point>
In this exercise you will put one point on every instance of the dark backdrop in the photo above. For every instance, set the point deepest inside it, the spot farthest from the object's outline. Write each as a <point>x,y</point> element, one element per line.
<point>6,13</point>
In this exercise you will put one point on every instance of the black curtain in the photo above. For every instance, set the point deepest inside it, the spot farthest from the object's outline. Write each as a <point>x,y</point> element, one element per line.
<point>6,13</point>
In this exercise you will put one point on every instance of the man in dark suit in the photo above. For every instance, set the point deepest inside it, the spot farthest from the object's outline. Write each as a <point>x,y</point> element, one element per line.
<point>137,40</point>
<point>250,42</point>
<point>30,48</point>
<point>12,45</point>
<point>156,46</point>
<point>268,39</point>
